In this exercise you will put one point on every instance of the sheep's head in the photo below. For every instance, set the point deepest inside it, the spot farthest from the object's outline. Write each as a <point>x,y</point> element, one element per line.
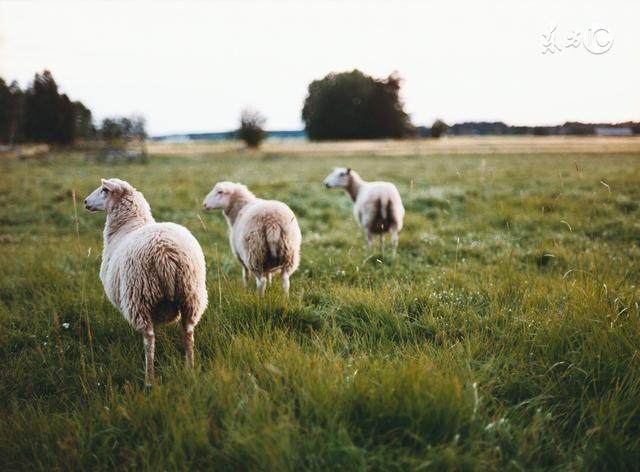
<point>340,178</point>
<point>110,192</point>
<point>222,194</point>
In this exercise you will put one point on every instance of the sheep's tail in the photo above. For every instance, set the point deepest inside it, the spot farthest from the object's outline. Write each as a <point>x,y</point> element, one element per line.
<point>385,214</point>
<point>386,211</point>
<point>274,250</point>
<point>273,236</point>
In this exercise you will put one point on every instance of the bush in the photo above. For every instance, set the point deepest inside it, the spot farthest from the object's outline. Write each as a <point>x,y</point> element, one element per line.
<point>353,105</point>
<point>438,128</point>
<point>252,128</point>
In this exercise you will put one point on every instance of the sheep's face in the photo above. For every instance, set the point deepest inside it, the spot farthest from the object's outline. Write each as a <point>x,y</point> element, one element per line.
<point>220,197</point>
<point>103,197</point>
<point>338,178</point>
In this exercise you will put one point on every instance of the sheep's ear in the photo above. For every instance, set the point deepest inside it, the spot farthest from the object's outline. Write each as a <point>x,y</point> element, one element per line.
<point>108,184</point>
<point>348,170</point>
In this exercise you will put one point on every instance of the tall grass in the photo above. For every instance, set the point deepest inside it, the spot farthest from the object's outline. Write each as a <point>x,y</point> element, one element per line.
<point>504,335</point>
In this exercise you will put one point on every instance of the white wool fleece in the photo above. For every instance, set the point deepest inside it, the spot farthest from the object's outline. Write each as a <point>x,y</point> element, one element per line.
<point>152,272</point>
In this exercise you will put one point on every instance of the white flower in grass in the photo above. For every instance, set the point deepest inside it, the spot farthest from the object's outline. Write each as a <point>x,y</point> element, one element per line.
<point>65,325</point>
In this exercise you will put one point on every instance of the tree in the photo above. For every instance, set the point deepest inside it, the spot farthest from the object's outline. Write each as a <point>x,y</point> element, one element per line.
<point>65,121</point>
<point>251,129</point>
<point>387,118</point>
<point>83,126</point>
<point>16,124</point>
<point>138,127</point>
<point>42,104</point>
<point>110,130</point>
<point>10,111</point>
<point>438,128</point>
<point>353,105</point>
<point>123,128</point>
<point>42,114</point>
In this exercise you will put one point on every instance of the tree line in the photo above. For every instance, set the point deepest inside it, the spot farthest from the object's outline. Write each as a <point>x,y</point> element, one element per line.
<point>340,106</point>
<point>41,114</point>
<point>569,128</point>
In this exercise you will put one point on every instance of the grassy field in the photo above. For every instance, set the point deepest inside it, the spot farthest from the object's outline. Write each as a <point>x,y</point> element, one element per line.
<point>505,335</point>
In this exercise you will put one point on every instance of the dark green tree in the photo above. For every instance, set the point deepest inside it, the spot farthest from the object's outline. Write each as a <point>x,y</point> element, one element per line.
<point>51,117</point>
<point>42,105</point>
<point>83,125</point>
<point>6,112</point>
<point>66,122</point>
<point>353,105</point>
<point>16,114</point>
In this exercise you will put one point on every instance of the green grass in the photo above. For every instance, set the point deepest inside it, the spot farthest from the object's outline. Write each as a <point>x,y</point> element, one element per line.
<point>505,335</point>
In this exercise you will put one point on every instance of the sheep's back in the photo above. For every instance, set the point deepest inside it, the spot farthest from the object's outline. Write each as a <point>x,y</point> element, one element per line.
<point>379,207</point>
<point>155,268</point>
<point>266,236</point>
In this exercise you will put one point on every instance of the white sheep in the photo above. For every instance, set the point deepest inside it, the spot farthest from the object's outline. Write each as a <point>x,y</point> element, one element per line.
<point>152,272</point>
<point>377,206</point>
<point>264,234</point>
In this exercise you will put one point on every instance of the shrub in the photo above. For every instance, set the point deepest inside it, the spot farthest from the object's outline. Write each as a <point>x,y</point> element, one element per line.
<point>251,128</point>
<point>438,128</point>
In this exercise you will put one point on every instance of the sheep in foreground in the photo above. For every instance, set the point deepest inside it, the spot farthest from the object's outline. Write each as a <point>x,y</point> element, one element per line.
<point>377,206</point>
<point>264,234</point>
<point>154,273</point>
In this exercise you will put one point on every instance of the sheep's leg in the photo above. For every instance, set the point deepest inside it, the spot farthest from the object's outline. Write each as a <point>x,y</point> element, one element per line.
<point>369,237</point>
<point>285,283</point>
<point>261,283</point>
<point>382,244</point>
<point>149,350</point>
<point>187,330</point>
<point>394,241</point>
<point>246,276</point>
<point>269,277</point>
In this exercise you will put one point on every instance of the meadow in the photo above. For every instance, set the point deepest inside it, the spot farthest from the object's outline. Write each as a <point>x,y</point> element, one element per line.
<point>504,335</point>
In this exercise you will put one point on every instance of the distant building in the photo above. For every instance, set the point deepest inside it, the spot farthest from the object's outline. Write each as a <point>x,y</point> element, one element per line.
<point>605,131</point>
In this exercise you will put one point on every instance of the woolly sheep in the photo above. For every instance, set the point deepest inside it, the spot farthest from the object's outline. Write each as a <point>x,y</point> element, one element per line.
<point>154,273</point>
<point>377,205</point>
<point>264,234</point>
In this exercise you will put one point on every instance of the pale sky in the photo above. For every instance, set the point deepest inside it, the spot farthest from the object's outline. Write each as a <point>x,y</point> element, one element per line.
<point>191,66</point>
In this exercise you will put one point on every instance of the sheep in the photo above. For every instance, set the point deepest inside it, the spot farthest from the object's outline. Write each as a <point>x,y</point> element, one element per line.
<point>377,205</point>
<point>153,273</point>
<point>264,234</point>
